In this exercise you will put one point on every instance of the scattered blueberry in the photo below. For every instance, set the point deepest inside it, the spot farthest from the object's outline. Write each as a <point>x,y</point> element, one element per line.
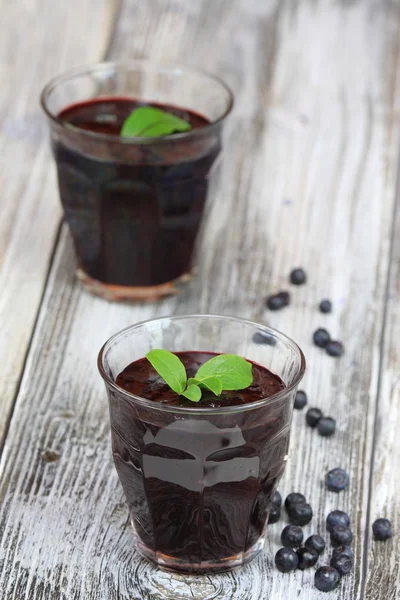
<point>334,348</point>
<point>298,276</point>
<point>337,480</point>
<point>315,542</point>
<point>300,513</point>
<point>343,551</point>
<point>307,558</point>
<point>313,416</point>
<point>294,498</point>
<point>321,337</point>
<point>326,426</point>
<point>261,337</point>
<point>343,564</point>
<point>325,306</point>
<point>286,560</point>
<point>277,499</point>
<point>382,529</point>
<point>285,297</point>
<point>341,536</point>
<point>337,517</point>
<point>274,514</point>
<point>275,302</point>
<point>326,579</point>
<point>291,536</point>
<point>300,400</point>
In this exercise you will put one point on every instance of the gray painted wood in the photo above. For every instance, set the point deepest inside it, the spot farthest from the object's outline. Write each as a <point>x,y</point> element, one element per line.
<point>383,558</point>
<point>310,160</point>
<point>38,40</point>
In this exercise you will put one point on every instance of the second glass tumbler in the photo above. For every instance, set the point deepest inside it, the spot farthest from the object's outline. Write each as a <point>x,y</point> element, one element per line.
<point>134,205</point>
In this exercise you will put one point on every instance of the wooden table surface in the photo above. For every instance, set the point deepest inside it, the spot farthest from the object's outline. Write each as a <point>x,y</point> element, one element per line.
<point>310,168</point>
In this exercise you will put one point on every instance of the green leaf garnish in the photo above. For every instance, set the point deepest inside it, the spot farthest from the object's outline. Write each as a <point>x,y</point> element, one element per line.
<point>147,121</point>
<point>211,383</point>
<point>192,392</point>
<point>170,367</point>
<point>234,372</point>
<point>222,372</point>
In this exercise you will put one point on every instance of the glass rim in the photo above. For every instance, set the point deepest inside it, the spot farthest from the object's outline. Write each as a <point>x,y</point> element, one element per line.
<point>164,66</point>
<point>196,409</point>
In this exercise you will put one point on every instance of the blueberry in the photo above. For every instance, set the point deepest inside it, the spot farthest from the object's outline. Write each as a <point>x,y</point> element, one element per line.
<point>326,579</point>
<point>291,536</point>
<point>300,400</point>
<point>321,337</point>
<point>382,529</point>
<point>313,416</point>
<point>334,348</point>
<point>286,560</point>
<point>293,499</point>
<point>298,276</point>
<point>325,306</point>
<point>277,499</point>
<point>315,542</point>
<point>307,558</point>
<point>343,564</point>
<point>337,480</point>
<point>274,514</point>
<point>261,337</point>
<point>285,297</point>
<point>300,513</point>
<point>337,517</point>
<point>326,426</point>
<point>275,302</point>
<point>341,536</point>
<point>343,551</point>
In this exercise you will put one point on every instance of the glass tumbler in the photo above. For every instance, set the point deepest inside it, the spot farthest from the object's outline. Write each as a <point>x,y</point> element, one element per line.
<point>199,481</point>
<point>134,205</point>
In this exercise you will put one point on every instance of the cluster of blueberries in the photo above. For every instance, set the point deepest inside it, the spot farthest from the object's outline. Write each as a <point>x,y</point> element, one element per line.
<point>293,555</point>
<point>321,337</point>
<point>326,426</point>
<point>282,299</point>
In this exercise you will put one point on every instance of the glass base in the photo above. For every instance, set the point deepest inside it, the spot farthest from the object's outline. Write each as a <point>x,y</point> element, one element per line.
<point>122,293</point>
<point>176,565</point>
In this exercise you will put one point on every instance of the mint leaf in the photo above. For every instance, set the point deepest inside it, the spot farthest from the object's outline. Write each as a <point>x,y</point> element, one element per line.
<point>147,121</point>
<point>192,392</point>
<point>170,367</point>
<point>234,372</point>
<point>211,383</point>
<point>222,372</point>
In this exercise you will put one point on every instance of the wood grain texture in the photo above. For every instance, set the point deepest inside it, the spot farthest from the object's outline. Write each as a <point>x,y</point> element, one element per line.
<point>311,154</point>
<point>38,40</point>
<point>384,558</point>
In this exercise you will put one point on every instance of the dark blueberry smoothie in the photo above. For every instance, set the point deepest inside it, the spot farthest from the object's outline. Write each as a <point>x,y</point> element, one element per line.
<point>141,379</point>
<point>134,211</point>
<point>199,487</point>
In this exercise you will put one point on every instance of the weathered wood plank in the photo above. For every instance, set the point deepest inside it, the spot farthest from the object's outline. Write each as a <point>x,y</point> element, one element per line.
<point>383,558</point>
<point>310,158</point>
<point>38,40</point>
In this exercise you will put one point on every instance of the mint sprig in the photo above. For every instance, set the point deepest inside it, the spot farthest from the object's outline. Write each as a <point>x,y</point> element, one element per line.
<point>222,372</point>
<point>147,121</point>
<point>211,383</point>
<point>170,367</point>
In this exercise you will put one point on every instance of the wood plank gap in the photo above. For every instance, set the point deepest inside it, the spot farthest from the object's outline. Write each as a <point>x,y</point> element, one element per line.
<point>115,9</point>
<point>113,31</point>
<point>367,532</point>
<point>29,345</point>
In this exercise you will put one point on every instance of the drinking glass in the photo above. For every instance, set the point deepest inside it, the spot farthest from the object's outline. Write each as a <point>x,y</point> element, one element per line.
<point>199,481</point>
<point>134,205</point>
